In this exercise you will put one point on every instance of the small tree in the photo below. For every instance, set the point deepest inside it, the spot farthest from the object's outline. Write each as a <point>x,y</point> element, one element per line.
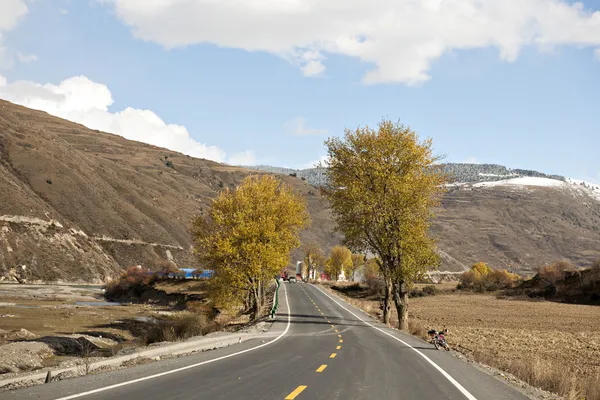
<point>340,259</point>
<point>358,260</point>
<point>383,185</point>
<point>247,237</point>
<point>371,271</point>
<point>314,257</point>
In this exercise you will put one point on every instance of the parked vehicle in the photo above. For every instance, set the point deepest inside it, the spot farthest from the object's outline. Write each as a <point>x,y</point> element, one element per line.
<point>438,339</point>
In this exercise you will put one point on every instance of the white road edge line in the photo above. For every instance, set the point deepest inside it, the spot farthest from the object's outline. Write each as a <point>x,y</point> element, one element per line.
<point>102,389</point>
<point>453,381</point>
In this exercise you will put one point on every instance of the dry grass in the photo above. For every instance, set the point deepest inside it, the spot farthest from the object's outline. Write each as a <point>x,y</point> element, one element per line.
<point>180,326</point>
<point>549,345</point>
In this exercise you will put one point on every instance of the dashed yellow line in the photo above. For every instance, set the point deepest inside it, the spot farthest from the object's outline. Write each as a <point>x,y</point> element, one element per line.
<point>341,341</point>
<point>338,347</point>
<point>336,331</point>
<point>333,355</point>
<point>333,326</point>
<point>322,368</point>
<point>340,336</point>
<point>296,392</point>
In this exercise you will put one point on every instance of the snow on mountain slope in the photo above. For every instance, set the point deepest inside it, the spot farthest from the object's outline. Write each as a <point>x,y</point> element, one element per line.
<point>524,181</point>
<point>576,187</point>
<point>586,187</point>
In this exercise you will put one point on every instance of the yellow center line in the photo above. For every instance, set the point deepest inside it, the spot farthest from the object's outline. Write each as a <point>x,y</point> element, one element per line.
<point>341,341</point>
<point>333,326</point>
<point>333,355</point>
<point>336,331</point>
<point>339,335</point>
<point>322,368</point>
<point>328,321</point>
<point>295,393</point>
<point>339,347</point>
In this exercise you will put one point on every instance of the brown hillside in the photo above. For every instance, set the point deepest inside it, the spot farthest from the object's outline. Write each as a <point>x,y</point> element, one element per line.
<point>520,228</point>
<point>77,204</point>
<point>116,202</point>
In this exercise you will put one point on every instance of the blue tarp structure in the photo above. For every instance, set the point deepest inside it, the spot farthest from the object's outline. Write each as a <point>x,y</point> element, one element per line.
<point>206,273</point>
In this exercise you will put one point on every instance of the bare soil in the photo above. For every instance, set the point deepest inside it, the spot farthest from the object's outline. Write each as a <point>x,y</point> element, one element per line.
<point>547,344</point>
<point>59,330</point>
<point>522,330</point>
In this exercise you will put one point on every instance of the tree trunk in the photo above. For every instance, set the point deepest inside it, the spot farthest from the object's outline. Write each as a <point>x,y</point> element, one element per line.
<point>401,302</point>
<point>387,304</point>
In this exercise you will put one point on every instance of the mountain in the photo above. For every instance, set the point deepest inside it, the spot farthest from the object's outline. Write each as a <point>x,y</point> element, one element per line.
<point>78,204</point>
<point>457,173</point>
<point>509,218</point>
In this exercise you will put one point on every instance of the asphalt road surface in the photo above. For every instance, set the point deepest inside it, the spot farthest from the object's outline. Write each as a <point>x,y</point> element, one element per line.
<point>318,348</point>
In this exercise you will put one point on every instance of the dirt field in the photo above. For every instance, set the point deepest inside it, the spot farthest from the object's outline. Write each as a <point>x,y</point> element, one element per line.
<point>564,334</point>
<point>49,325</point>
<point>51,309</point>
<point>550,345</point>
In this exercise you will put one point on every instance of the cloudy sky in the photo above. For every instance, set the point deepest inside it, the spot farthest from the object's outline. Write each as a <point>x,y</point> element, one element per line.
<point>267,81</point>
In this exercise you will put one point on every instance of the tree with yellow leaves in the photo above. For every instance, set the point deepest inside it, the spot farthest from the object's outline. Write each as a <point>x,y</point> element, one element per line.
<point>383,185</point>
<point>358,260</point>
<point>340,259</point>
<point>246,239</point>
<point>314,258</point>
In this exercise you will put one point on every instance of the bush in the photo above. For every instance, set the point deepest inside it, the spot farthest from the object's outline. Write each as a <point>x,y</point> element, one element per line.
<point>181,327</point>
<point>553,273</point>
<point>482,278</point>
<point>429,290</point>
<point>417,329</point>
<point>134,282</point>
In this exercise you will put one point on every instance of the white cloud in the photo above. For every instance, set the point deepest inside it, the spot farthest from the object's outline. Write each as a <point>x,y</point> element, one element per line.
<point>11,12</point>
<point>297,126</point>
<point>26,58</point>
<point>400,38</point>
<point>313,68</point>
<point>64,11</point>
<point>471,160</point>
<point>244,158</point>
<point>81,100</point>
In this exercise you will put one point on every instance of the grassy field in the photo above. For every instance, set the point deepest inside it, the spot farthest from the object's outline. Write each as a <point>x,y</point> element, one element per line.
<point>550,345</point>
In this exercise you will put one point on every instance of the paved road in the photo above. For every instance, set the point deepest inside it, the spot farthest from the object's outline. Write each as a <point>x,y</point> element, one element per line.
<point>319,348</point>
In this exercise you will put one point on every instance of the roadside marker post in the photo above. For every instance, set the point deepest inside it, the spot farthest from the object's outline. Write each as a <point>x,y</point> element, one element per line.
<point>276,301</point>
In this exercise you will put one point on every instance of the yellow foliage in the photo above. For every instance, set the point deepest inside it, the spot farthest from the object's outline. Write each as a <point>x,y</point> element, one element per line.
<point>247,237</point>
<point>358,260</point>
<point>383,186</point>
<point>340,259</point>
<point>314,258</point>
<point>481,269</point>
<point>482,277</point>
<point>371,270</point>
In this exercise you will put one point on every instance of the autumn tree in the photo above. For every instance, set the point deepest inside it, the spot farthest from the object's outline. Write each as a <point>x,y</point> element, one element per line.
<point>246,239</point>
<point>340,259</point>
<point>371,271</point>
<point>314,257</point>
<point>383,185</point>
<point>358,260</point>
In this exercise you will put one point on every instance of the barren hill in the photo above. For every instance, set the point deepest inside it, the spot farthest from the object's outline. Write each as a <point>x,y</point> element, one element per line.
<point>519,224</point>
<point>78,204</point>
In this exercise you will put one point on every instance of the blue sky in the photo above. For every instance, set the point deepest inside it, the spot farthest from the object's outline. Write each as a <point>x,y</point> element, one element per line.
<point>538,109</point>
